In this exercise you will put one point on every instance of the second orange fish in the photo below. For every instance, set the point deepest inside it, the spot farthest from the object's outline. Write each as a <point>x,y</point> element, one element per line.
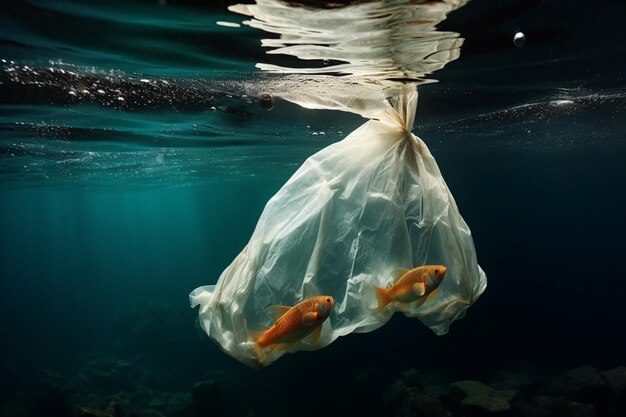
<point>419,284</point>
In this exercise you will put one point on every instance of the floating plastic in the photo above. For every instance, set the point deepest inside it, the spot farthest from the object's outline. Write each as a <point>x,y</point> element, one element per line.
<point>360,210</point>
<point>352,214</point>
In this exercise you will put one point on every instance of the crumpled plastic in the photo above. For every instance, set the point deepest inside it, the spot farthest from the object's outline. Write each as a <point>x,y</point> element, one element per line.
<point>351,214</point>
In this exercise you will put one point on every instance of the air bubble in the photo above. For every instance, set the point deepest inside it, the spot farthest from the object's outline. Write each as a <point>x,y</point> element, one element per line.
<point>519,39</point>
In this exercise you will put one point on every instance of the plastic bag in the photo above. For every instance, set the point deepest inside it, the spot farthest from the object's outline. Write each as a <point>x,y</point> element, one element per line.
<point>352,214</point>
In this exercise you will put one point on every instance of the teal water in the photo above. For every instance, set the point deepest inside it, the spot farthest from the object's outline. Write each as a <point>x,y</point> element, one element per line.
<point>112,210</point>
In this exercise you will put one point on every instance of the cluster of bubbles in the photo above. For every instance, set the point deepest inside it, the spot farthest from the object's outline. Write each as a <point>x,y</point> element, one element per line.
<point>62,84</point>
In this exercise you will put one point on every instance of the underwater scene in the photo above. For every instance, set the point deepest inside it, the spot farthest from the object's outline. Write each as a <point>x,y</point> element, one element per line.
<point>276,208</point>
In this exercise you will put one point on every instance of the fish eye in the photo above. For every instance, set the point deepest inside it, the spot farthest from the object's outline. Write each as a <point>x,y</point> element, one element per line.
<point>436,271</point>
<point>328,300</point>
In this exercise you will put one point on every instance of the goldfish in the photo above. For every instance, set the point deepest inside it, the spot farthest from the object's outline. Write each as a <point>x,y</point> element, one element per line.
<point>419,284</point>
<point>294,324</point>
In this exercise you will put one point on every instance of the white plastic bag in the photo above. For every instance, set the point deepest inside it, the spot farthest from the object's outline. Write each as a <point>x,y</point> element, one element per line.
<point>354,212</point>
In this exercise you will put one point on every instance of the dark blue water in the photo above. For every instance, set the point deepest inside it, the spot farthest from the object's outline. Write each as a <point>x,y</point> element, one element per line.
<point>112,210</point>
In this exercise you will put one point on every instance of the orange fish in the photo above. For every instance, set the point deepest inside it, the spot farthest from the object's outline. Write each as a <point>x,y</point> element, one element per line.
<point>418,284</point>
<point>294,324</point>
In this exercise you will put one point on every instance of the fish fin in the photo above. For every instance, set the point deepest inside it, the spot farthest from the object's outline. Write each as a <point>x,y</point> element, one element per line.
<point>419,288</point>
<point>255,335</point>
<point>278,347</point>
<point>383,298</point>
<point>279,311</point>
<point>398,272</point>
<point>420,301</point>
<point>310,318</point>
<point>433,295</point>
<point>261,356</point>
<point>315,336</point>
<point>406,307</point>
<point>262,326</point>
<point>262,353</point>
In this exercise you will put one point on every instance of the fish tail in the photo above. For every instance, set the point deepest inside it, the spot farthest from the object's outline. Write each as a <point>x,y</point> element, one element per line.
<point>261,356</point>
<point>382,295</point>
<point>258,349</point>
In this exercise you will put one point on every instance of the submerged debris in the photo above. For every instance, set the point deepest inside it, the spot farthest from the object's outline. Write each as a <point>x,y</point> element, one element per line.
<point>266,101</point>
